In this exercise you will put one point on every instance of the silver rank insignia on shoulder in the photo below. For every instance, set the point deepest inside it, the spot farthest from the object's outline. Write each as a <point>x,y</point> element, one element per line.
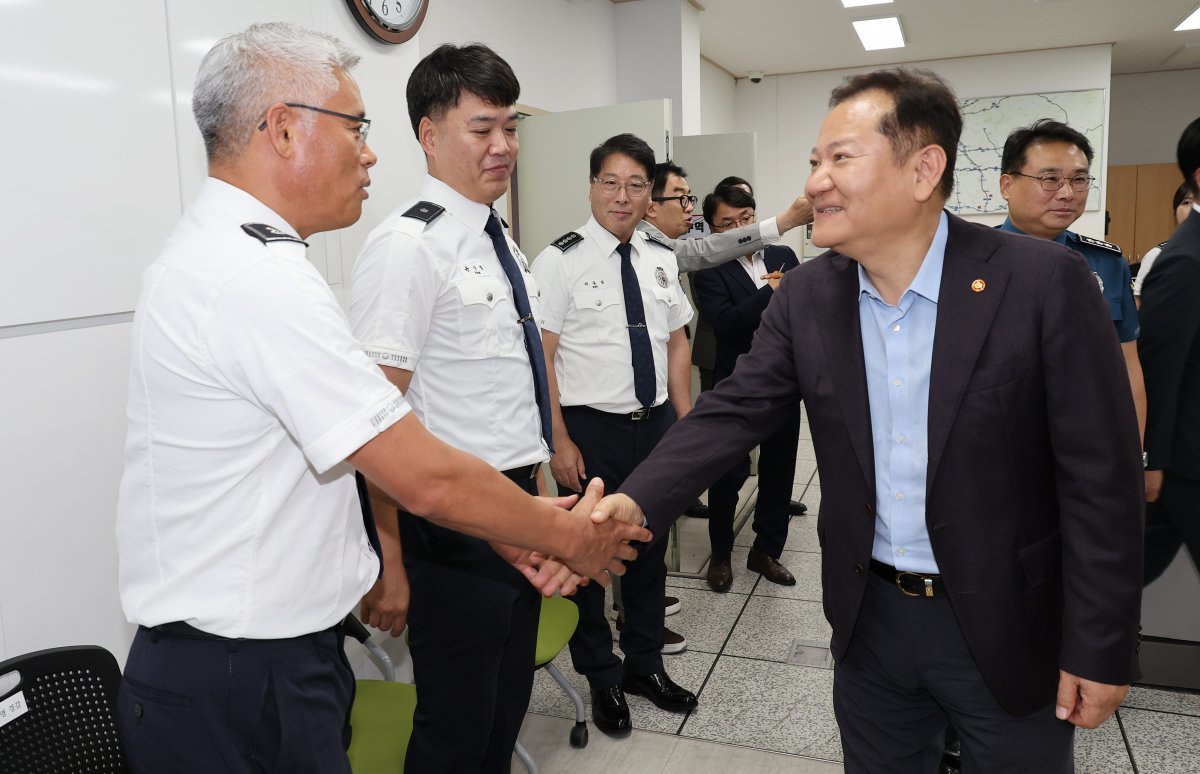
<point>267,234</point>
<point>1109,246</point>
<point>660,274</point>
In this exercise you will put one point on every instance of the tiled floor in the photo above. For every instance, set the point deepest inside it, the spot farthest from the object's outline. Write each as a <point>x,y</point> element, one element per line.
<point>758,713</point>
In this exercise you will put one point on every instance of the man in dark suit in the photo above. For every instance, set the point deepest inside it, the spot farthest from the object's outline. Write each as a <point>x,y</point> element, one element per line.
<point>980,531</point>
<point>1170,352</point>
<point>734,295</point>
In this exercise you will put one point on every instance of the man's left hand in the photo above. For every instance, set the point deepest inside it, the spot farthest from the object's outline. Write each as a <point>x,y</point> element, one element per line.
<point>1086,703</point>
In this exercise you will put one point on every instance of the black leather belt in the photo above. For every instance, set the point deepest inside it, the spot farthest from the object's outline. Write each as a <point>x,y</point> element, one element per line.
<point>633,416</point>
<point>913,584</point>
<point>181,629</point>
<point>523,473</point>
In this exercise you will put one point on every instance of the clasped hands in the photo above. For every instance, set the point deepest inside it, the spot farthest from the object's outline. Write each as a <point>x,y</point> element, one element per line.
<point>602,551</point>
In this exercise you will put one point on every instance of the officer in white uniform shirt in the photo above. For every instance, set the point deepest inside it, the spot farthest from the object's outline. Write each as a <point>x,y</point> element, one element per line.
<point>614,332</point>
<point>433,305</point>
<point>241,540</point>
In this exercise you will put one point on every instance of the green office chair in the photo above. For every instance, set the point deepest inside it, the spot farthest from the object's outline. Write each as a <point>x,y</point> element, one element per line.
<point>382,716</point>
<point>556,624</point>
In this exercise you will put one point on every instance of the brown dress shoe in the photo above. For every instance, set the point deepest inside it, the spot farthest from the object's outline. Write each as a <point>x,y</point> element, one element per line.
<point>720,575</point>
<point>770,568</point>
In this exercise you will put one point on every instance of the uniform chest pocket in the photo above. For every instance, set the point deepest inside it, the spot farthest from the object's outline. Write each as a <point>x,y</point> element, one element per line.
<point>596,299</point>
<point>487,317</point>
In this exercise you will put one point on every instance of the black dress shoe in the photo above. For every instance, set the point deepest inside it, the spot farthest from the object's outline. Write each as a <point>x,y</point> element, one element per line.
<point>797,508</point>
<point>610,713</point>
<point>720,575</point>
<point>660,690</point>
<point>770,568</point>
<point>697,510</point>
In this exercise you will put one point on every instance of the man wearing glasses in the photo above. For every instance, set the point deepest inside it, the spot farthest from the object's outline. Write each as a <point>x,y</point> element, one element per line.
<point>620,375</point>
<point>733,296</point>
<point>1045,181</point>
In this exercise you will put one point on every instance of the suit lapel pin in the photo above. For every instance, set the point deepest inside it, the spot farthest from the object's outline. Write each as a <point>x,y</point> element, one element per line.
<point>978,285</point>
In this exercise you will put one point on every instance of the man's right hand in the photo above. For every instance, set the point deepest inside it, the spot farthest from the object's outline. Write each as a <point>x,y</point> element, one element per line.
<point>798,214</point>
<point>605,544</point>
<point>567,464</point>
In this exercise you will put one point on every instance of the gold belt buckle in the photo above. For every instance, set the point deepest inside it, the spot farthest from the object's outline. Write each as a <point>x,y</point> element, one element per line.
<point>928,583</point>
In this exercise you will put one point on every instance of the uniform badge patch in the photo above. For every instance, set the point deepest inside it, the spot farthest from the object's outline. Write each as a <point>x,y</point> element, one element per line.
<point>660,274</point>
<point>267,234</point>
<point>1099,281</point>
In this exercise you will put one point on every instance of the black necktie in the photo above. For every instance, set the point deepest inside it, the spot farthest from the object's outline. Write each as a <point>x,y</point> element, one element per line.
<point>645,386</point>
<point>533,339</point>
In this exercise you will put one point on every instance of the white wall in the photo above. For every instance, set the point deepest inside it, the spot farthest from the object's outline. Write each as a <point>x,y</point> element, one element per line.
<point>787,110</point>
<point>658,57</point>
<point>97,180</point>
<point>1149,112</point>
<point>716,100</point>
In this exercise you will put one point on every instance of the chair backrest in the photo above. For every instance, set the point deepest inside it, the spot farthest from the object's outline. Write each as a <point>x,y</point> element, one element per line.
<point>61,713</point>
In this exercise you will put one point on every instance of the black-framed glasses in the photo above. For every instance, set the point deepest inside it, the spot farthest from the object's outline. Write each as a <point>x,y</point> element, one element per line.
<point>745,220</point>
<point>1079,183</point>
<point>685,200</point>
<point>364,124</point>
<point>610,185</point>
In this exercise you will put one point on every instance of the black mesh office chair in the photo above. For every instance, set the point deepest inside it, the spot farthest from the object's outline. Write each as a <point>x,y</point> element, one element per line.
<point>69,723</point>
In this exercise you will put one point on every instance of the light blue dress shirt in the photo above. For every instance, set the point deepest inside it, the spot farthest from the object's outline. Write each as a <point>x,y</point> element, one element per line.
<point>898,348</point>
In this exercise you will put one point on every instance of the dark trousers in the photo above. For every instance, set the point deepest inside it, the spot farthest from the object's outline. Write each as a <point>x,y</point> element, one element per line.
<point>1171,521</point>
<point>203,705</point>
<point>907,674</point>
<point>473,622</point>
<point>776,474</point>
<point>612,445</point>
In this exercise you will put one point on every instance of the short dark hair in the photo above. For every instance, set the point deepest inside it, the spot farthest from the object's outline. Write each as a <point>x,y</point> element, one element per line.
<point>730,196</point>
<point>438,81</point>
<point>925,113</point>
<point>1187,152</point>
<point>734,180</point>
<point>1043,130</point>
<point>661,172</point>
<point>627,145</point>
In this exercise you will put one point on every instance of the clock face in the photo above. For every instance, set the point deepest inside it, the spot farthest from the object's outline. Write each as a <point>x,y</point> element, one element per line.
<point>396,15</point>
<point>389,21</point>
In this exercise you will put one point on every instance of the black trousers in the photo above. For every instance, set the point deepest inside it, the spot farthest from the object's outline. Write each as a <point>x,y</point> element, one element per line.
<point>776,474</point>
<point>1172,521</point>
<point>907,674</point>
<point>202,705</point>
<point>613,445</point>
<point>473,622</point>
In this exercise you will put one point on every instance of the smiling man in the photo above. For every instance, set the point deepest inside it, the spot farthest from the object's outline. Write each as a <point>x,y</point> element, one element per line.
<point>1046,178</point>
<point>620,376</point>
<point>980,531</point>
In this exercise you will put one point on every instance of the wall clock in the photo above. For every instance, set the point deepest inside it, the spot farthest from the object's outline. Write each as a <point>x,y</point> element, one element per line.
<point>389,21</point>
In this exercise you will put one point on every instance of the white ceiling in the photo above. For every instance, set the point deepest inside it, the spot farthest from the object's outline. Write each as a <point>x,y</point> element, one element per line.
<point>791,36</point>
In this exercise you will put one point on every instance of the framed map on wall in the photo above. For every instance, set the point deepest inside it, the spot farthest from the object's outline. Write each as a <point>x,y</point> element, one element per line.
<point>987,121</point>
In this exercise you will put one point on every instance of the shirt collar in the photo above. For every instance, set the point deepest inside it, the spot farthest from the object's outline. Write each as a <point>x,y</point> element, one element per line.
<point>241,204</point>
<point>605,239</point>
<point>928,282</point>
<point>473,214</point>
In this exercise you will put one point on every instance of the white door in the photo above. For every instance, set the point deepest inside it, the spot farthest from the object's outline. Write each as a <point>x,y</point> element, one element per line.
<point>551,184</point>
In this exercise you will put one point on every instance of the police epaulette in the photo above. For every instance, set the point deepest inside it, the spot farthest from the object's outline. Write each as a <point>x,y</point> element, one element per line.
<point>1099,243</point>
<point>656,239</point>
<point>1161,245</point>
<point>426,211</point>
<point>266,234</point>
<point>568,240</point>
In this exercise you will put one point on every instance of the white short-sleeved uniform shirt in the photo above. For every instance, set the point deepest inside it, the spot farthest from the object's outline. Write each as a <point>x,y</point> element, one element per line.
<point>583,303</point>
<point>237,513</point>
<point>433,299</point>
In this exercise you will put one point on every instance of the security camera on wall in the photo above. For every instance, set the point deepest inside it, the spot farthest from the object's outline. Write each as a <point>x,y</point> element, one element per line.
<point>755,76</point>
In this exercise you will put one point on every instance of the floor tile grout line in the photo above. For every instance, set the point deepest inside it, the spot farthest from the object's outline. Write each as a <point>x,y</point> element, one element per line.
<point>1125,739</point>
<point>1176,713</point>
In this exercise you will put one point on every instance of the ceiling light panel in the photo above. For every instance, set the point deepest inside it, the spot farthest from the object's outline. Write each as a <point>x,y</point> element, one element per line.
<point>878,34</point>
<point>1192,22</point>
<point>860,3</point>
